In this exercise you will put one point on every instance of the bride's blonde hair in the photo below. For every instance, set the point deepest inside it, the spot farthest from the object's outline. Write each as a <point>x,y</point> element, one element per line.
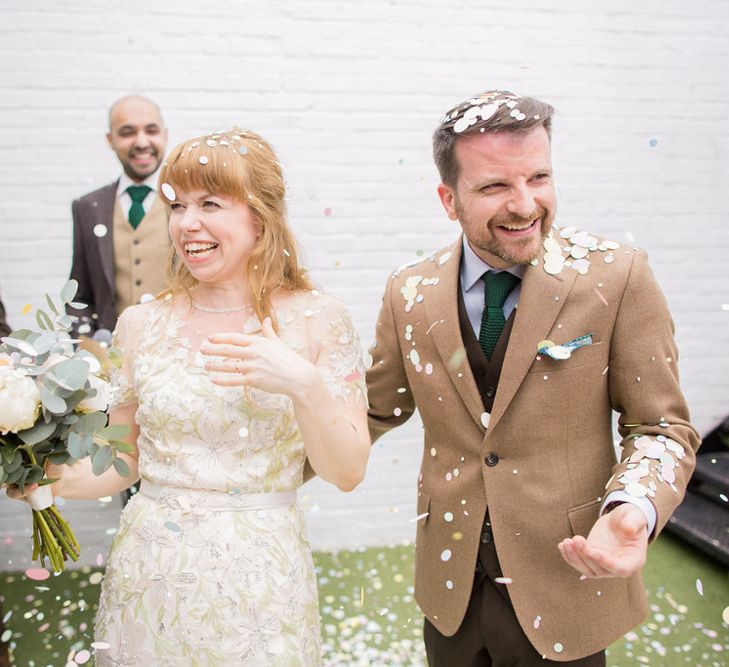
<point>242,165</point>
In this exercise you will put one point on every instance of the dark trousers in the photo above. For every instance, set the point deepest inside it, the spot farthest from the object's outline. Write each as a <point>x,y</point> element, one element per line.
<point>490,633</point>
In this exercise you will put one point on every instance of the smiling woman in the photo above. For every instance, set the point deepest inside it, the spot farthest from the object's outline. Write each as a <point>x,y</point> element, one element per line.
<point>230,380</point>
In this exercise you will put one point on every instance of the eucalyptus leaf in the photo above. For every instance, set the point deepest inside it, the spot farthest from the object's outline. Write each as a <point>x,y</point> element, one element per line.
<point>71,373</point>
<point>23,346</point>
<point>54,404</point>
<point>52,305</point>
<point>77,305</point>
<point>44,344</point>
<point>121,467</point>
<point>14,463</point>
<point>122,446</point>
<point>44,322</point>
<point>77,445</point>
<point>35,474</point>
<point>38,433</point>
<point>56,386</point>
<point>115,431</point>
<point>15,476</point>
<point>102,460</point>
<point>58,458</point>
<point>91,423</point>
<point>68,291</point>
<point>66,321</point>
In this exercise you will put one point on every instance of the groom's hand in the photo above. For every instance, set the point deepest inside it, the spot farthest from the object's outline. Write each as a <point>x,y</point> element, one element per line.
<point>616,546</point>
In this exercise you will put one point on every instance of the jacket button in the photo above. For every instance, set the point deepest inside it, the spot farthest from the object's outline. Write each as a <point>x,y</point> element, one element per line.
<point>486,538</point>
<point>137,261</point>
<point>137,282</point>
<point>492,459</point>
<point>135,241</point>
<point>490,392</point>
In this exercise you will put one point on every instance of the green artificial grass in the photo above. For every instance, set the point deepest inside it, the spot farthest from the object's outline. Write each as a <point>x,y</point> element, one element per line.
<point>369,616</point>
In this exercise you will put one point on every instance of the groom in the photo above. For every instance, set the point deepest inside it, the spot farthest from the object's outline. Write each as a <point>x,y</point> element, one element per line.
<point>530,536</point>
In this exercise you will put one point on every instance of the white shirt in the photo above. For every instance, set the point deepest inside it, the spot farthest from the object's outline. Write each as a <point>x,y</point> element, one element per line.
<point>126,201</point>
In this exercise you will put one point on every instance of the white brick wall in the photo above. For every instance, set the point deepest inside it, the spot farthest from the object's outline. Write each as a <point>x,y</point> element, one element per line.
<point>349,94</point>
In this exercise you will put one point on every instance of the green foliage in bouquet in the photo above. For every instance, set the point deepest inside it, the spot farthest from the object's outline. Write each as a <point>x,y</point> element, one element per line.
<point>53,397</point>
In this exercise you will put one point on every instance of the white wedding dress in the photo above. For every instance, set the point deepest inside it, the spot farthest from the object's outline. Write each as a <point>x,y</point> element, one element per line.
<point>211,564</point>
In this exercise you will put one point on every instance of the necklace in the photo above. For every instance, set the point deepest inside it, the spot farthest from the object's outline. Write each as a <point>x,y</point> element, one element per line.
<point>205,309</point>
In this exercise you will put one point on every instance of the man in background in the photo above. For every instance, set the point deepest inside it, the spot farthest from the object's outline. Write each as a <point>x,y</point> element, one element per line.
<point>120,238</point>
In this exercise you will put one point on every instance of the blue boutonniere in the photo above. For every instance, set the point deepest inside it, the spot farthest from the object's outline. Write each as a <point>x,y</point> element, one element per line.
<point>564,351</point>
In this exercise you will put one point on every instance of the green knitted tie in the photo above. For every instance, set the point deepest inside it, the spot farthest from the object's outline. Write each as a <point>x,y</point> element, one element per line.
<point>138,193</point>
<point>496,288</point>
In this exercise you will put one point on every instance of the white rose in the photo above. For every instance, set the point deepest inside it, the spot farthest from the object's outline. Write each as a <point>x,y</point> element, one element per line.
<point>19,400</point>
<point>99,402</point>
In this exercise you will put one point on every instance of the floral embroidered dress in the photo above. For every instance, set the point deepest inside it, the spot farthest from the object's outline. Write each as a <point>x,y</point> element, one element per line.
<point>211,564</point>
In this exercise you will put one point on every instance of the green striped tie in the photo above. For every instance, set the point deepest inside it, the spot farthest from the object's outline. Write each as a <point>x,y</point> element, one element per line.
<point>496,288</point>
<point>138,193</point>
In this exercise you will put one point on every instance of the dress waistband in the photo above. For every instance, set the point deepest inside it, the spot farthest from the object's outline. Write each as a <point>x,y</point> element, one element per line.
<point>190,500</point>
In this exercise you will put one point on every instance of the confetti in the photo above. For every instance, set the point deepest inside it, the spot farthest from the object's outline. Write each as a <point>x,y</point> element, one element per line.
<point>37,573</point>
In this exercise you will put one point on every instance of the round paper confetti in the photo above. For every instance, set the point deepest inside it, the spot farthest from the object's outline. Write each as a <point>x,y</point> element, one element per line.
<point>37,574</point>
<point>725,615</point>
<point>446,555</point>
<point>503,580</point>
<point>168,191</point>
<point>327,212</point>
<point>653,143</point>
<point>448,516</point>
<point>203,159</point>
<point>95,578</point>
<point>5,637</point>
<point>82,657</point>
<point>243,432</point>
<point>171,525</point>
<point>485,418</point>
<point>100,230</point>
<point>100,646</point>
<point>700,587</point>
<point>26,308</point>
<point>146,297</point>
<point>558,648</point>
<point>449,584</point>
<point>537,622</point>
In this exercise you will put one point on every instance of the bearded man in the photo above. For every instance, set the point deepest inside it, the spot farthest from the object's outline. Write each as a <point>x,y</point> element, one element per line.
<point>516,344</point>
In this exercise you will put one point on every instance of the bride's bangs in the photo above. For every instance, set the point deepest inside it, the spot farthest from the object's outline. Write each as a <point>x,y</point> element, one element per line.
<point>206,164</point>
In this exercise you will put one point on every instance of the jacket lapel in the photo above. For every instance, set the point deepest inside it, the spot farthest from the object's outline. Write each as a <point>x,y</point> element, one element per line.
<point>541,299</point>
<point>105,244</point>
<point>441,308</point>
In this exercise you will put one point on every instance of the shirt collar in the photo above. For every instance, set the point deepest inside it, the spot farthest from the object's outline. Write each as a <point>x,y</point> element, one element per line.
<point>473,267</point>
<point>125,182</point>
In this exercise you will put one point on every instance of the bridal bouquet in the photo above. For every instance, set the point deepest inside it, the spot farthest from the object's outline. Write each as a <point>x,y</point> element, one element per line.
<point>53,397</point>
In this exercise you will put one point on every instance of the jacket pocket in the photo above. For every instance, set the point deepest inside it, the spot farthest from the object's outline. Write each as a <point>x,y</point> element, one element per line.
<point>582,517</point>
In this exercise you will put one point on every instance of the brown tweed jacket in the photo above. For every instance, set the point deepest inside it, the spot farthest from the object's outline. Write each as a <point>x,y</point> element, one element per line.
<point>549,436</point>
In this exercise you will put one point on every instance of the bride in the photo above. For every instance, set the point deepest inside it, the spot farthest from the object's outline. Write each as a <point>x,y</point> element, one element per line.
<point>230,381</point>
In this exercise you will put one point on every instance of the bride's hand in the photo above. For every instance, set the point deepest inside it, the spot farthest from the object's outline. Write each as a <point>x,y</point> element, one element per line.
<point>263,362</point>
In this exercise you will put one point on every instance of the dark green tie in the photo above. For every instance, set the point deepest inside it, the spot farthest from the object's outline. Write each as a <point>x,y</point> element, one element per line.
<point>496,288</point>
<point>138,193</point>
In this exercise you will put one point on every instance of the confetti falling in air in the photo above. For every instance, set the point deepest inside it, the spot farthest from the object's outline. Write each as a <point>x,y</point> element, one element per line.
<point>37,574</point>
<point>653,143</point>
<point>327,212</point>
<point>699,587</point>
<point>26,308</point>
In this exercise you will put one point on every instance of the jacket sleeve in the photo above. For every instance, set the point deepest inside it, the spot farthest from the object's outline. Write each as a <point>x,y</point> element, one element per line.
<point>390,395</point>
<point>79,273</point>
<point>659,443</point>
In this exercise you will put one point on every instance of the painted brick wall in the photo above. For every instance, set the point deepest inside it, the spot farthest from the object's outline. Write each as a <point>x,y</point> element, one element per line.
<point>349,94</point>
